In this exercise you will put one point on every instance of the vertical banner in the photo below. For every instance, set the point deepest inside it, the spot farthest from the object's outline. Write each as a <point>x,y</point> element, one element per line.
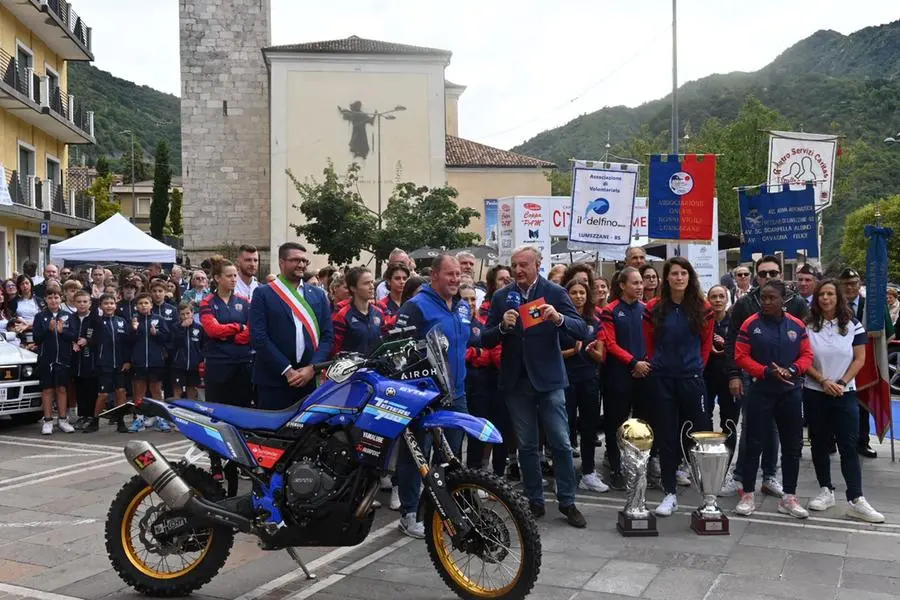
<point>876,276</point>
<point>531,223</point>
<point>602,204</point>
<point>505,229</point>
<point>797,157</point>
<point>682,189</point>
<point>5,198</point>
<point>491,231</point>
<point>780,219</point>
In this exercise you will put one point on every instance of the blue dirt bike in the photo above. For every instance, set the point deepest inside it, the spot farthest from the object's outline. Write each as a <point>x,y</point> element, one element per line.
<point>315,470</point>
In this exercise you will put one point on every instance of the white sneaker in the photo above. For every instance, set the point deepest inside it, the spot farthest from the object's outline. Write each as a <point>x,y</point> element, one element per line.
<point>593,483</point>
<point>46,427</point>
<point>731,487</point>
<point>746,505</point>
<point>395,498</point>
<point>862,510</point>
<point>412,528</point>
<point>789,505</point>
<point>682,477</point>
<point>385,483</point>
<point>653,469</point>
<point>72,415</point>
<point>823,501</point>
<point>65,426</point>
<point>772,486</point>
<point>667,506</point>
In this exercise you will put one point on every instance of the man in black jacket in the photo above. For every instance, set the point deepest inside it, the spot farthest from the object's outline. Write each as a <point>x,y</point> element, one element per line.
<point>768,268</point>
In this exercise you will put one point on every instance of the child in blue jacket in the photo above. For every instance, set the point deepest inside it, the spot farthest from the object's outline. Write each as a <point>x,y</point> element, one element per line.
<point>149,336</point>
<point>112,359</point>
<point>187,352</point>
<point>54,331</point>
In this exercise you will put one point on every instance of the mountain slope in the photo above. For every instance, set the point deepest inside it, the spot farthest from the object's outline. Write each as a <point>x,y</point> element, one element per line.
<point>121,105</point>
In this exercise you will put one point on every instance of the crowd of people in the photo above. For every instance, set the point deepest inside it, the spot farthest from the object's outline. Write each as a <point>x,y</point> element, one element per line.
<point>538,357</point>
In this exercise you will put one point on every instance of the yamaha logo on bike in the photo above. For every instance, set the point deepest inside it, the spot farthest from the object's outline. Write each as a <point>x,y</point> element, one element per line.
<point>390,392</point>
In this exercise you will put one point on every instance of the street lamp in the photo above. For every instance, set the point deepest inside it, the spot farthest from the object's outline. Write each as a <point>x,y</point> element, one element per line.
<point>133,199</point>
<point>893,140</point>
<point>388,114</point>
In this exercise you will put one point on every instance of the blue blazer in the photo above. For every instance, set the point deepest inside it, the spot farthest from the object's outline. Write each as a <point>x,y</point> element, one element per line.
<point>274,336</point>
<point>536,350</point>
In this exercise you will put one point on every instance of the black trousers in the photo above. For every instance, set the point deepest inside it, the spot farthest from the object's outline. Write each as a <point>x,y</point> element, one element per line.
<point>85,395</point>
<point>729,408</point>
<point>585,397</point>
<point>675,402</point>
<point>228,383</point>
<point>622,396</point>
<point>863,427</point>
<point>481,382</point>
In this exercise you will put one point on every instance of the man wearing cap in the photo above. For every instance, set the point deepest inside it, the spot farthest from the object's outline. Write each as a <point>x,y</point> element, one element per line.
<point>850,282</point>
<point>807,278</point>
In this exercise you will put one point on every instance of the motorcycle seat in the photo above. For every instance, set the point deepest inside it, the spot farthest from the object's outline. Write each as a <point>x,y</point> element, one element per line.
<point>240,417</point>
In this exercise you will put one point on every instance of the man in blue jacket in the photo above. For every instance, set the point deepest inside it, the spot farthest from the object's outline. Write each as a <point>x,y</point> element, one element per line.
<point>436,305</point>
<point>290,329</point>
<point>533,374</point>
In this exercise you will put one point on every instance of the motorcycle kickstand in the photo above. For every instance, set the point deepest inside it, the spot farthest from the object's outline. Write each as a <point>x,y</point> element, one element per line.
<point>293,554</point>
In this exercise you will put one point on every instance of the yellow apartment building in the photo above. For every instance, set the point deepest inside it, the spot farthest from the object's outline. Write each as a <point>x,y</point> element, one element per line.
<point>38,122</point>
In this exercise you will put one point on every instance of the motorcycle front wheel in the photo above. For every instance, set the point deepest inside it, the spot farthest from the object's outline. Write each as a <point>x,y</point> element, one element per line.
<point>502,556</point>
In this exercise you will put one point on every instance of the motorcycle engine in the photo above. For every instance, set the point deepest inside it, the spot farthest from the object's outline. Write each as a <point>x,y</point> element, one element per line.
<point>320,474</point>
<point>308,484</point>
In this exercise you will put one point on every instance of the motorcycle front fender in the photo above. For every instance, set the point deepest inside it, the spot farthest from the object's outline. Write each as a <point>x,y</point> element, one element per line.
<point>480,429</point>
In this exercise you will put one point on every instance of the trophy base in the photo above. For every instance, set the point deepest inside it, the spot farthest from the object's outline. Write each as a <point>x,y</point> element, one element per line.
<point>632,527</point>
<point>703,526</point>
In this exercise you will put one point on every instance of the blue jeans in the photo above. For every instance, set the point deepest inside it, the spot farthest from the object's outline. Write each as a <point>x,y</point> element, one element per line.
<point>526,406</point>
<point>409,481</point>
<point>769,450</point>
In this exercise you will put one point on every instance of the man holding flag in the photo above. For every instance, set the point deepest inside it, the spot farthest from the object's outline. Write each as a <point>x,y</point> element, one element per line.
<point>290,329</point>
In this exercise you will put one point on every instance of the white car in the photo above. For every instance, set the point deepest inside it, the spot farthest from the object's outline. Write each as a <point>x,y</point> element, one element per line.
<point>20,390</point>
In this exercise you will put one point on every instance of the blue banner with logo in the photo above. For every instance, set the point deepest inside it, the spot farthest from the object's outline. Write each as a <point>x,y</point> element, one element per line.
<point>778,219</point>
<point>876,275</point>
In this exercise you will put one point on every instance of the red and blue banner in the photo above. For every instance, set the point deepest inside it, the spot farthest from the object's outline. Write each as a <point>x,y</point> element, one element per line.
<point>682,193</point>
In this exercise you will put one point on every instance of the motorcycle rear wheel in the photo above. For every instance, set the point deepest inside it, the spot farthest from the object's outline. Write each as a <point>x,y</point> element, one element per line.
<point>133,550</point>
<point>509,546</point>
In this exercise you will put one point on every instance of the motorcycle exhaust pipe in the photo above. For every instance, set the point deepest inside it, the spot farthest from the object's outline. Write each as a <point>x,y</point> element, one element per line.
<point>153,468</point>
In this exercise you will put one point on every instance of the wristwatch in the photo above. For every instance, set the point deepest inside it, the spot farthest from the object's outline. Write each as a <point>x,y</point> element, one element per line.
<point>841,382</point>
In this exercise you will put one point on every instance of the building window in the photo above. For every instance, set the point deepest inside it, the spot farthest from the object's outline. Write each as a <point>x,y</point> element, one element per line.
<point>143,206</point>
<point>53,171</point>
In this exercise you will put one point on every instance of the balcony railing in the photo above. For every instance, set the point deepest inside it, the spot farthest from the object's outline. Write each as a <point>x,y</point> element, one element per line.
<point>30,191</point>
<point>71,20</point>
<point>21,78</point>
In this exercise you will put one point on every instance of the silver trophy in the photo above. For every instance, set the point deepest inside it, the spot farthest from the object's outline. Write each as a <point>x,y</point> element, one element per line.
<point>709,459</point>
<point>635,438</point>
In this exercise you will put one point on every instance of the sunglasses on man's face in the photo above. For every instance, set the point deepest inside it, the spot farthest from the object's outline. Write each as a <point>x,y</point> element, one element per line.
<point>769,274</point>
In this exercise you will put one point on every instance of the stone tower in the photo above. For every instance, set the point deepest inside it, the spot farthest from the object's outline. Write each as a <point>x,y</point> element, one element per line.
<point>225,124</point>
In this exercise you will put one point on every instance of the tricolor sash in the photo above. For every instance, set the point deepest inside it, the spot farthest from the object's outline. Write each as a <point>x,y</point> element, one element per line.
<point>299,307</point>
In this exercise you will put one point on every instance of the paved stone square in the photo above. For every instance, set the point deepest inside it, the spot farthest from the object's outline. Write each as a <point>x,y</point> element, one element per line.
<point>54,494</point>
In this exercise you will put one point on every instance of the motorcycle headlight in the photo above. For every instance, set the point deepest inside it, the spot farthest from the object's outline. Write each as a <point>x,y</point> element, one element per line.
<point>27,371</point>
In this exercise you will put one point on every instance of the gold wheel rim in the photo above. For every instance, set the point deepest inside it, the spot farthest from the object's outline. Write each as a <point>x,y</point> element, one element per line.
<point>139,562</point>
<point>461,574</point>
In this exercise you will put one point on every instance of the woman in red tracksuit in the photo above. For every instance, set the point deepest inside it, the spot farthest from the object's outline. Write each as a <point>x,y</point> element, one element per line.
<point>481,380</point>
<point>396,277</point>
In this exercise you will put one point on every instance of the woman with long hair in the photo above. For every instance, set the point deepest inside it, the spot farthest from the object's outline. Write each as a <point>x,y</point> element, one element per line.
<point>651,282</point>
<point>678,332</point>
<point>601,293</point>
<point>26,305</point>
<point>715,374</point>
<point>773,348</point>
<point>838,344</point>
<point>10,290</point>
<point>411,288</point>
<point>582,360</point>
<point>498,276</point>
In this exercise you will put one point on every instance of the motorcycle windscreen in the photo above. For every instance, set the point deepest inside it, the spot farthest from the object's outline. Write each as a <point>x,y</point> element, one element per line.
<point>395,404</point>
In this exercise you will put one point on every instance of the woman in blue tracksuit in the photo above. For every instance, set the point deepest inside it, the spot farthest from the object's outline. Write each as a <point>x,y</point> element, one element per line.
<point>678,329</point>
<point>773,347</point>
<point>224,316</point>
<point>582,361</point>
<point>359,324</point>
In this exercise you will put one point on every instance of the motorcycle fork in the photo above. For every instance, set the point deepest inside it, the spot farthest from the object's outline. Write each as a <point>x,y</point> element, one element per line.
<point>435,483</point>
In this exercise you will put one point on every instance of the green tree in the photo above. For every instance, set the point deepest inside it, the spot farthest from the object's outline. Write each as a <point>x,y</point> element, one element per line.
<point>162,180</point>
<point>337,221</point>
<point>560,181</point>
<point>102,166</point>
<point>104,208</point>
<point>854,244</point>
<point>141,169</point>
<point>175,221</point>
<point>418,216</point>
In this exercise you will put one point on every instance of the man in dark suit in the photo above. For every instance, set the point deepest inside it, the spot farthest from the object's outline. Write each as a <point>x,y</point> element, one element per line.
<point>290,329</point>
<point>533,375</point>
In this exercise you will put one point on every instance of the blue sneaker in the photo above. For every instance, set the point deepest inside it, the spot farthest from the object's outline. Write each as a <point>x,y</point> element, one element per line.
<point>163,426</point>
<point>137,425</point>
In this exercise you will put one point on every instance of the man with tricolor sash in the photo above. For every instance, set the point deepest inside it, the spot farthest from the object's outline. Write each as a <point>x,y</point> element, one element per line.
<point>290,329</point>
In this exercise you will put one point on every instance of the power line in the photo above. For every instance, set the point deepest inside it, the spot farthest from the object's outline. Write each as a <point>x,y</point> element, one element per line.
<point>642,50</point>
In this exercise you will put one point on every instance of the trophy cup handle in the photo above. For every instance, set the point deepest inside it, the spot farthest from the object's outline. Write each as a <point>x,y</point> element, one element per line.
<point>689,426</point>
<point>731,427</point>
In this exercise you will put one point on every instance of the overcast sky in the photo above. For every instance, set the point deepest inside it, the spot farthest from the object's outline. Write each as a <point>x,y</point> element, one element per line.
<point>529,64</point>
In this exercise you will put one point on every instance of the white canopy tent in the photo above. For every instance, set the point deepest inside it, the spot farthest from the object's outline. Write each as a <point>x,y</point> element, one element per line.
<point>113,240</point>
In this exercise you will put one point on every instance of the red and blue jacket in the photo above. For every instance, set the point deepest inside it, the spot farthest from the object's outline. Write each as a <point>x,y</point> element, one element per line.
<point>676,351</point>
<point>623,335</point>
<point>763,340</point>
<point>357,332</point>
<point>476,356</point>
<point>227,329</point>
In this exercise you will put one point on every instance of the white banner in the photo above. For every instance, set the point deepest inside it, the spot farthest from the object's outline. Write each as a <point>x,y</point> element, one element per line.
<point>505,229</point>
<point>560,215</point>
<point>5,198</point>
<point>531,221</point>
<point>602,204</point>
<point>796,157</point>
